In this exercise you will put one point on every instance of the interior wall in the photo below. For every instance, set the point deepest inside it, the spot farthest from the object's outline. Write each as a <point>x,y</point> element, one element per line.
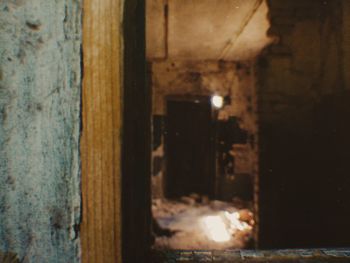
<point>303,96</point>
<point>226,78</point>
<point>40,83</point>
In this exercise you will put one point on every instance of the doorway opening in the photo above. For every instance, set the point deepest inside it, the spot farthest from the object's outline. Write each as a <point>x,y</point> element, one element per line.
<point>201,57</point>
<point>189,148</point>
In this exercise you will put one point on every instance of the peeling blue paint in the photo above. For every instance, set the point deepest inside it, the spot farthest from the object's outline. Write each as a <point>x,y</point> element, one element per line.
<point>40,85</point>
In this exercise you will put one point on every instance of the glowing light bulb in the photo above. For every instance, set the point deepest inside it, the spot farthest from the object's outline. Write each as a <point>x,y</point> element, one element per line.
<point>217,101</point>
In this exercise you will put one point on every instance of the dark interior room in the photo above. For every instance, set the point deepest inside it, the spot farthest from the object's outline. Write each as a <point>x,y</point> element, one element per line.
<point>249,124</point>
<point>152,131</point>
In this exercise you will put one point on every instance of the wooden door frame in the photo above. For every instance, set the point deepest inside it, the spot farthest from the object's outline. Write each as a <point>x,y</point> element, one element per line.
<point>116,106</point>
<point>115,133</point>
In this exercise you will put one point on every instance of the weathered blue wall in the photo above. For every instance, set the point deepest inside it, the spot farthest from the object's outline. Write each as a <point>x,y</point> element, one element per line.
<point>40,82</point>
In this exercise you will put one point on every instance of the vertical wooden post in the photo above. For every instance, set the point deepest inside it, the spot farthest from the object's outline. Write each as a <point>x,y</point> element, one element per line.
<point>100,142</point>
<point>136,144</point>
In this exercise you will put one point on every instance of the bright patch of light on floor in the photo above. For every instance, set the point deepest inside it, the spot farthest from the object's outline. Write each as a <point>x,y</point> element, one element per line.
<point>217,101</point>
<point>215,228</point>
<point>235,223</point>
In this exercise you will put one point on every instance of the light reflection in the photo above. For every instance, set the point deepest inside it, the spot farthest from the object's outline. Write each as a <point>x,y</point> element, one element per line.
<point>235,223</point>
<point>222,227</point>
<point>215,228</point>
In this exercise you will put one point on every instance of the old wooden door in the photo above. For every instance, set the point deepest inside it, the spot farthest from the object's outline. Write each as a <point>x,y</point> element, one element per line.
<point>189,147</point>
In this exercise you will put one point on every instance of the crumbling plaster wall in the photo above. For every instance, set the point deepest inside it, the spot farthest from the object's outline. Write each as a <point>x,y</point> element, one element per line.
<point>306,64</point>
<point>225,78</point>
<point>40,83</point>
<point>195,36</point>
<point>303,111</point>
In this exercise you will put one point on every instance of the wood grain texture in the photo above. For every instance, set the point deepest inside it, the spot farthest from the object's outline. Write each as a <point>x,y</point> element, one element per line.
<point>100,142</point>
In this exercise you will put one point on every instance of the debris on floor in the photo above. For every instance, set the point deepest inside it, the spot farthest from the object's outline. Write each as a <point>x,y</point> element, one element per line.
<point>195,222</point>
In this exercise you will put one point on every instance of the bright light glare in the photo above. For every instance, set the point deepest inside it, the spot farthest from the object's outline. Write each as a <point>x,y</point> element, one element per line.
<point>235,223</point>
<point>215,229</point>
<point>217,101</point>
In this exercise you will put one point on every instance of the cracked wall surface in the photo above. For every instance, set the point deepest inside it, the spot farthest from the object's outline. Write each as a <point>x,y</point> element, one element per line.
<point>40,80</point>
<point>236,81</point>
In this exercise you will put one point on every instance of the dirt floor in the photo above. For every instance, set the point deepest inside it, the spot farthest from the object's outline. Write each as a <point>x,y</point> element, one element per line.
<point>195,222</point>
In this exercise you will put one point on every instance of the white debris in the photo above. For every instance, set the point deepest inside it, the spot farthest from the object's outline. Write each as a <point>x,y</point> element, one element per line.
<point>199,224</point>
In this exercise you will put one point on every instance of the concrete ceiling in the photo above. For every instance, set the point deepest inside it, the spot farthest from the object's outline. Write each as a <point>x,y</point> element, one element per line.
<point>206,29</point>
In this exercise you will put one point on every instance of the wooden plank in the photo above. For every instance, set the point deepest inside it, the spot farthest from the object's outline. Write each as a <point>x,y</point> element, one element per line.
<point>100,142</point>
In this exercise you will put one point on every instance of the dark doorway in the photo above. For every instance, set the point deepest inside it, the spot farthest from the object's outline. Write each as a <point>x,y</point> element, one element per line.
<point>189,148</point>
